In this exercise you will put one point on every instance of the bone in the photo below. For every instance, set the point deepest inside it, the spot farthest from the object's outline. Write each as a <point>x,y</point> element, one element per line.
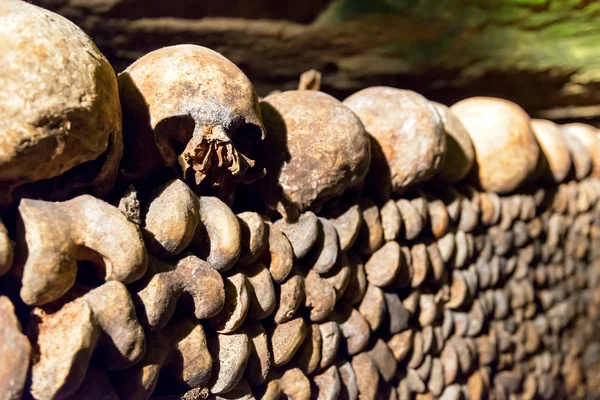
<point>384,360</point>
<point>292,383</point>
<point>424,370</point>
<point>231,353</point>
<point>398,315</point>
<point>15,351</point>
<point>56,168</point>
<point>328,384</point>
<point>449,359</point>
<point>261,293</point>
<point>309,354</point>
<point>339,277</point>
<point>302,234</point>
<point>253,234</point>
<point>349,387</point>
<point>158,293</point>
<point>411,301</point>
<point>496,170</point>
<point>280,257</point>
<point>452,200</point>
<point>588,136</point>
<point>469,209</point>
<point>383,266</point>
<point>370,237</point>
<point>391,220</point>
<point>347,224</point>
<point>180,350</point>
<point>438,216</point>
<point>6,250</point>
<point>54,236</point>
<point>96,384</point>
<point>414,382</point>
<point>218,235</point>
<point>401,344</point>
<point>367,376</point>
<point>301,122</point>
<point>170,219</point>
<point>259,359</point>
<point>461,254</point>
<point>412,220</point>
<point>354,328</point>
<point>190,361</point>
<point>580,155</point>
<point>491,208</point>
<point>420,264</point>
<point>98,318</point>
<point>235,309</point>
<point>447,246</point>
<point>428,309</point>
<point>452,392</point>
<point>310,80</point>
<point>330,335</point>
<point>372,307</point>
<point>291,297</point>
<point>285,340</point>
<point>358,281</point>
<point>417,355</point>
<point>324,253</point>
<point>204,137</point>
<point>408,146</point>
<point>436,378</point>
<point>460,154</point>
<point>320,296</point>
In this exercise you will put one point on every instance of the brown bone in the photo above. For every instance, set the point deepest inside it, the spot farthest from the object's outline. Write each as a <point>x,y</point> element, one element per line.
<point>54,236</point>
<point>261,293</point>
<point>15,351</point>
<point>235,309</point>
<point>383,266</point>
<point>165,282</point>
<point>324,252</point>
<point>103,317</point>
<point>291,297</point>
<point>253,235</point>
<point>347,224</point>
<point>6,250</point>
<point>302,233</point>
<point>280,256</point>
<point>330,335</point>
<point>218,235</point>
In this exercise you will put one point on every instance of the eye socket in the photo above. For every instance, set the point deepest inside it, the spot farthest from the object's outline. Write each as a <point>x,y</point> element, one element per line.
<point>245,136</point>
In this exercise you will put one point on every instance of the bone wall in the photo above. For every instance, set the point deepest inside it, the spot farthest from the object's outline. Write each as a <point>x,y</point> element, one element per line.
<point>212,244</point>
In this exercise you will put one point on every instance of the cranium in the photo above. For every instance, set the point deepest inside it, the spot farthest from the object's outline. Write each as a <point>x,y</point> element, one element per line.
<point>193,111</point>
<point>317,150</point>
<point>60,118</point>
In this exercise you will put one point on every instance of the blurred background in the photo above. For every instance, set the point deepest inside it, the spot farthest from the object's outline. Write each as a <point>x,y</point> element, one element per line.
<point>542,54</point>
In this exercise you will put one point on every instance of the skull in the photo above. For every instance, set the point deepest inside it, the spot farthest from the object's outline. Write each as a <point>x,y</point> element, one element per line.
<point>317,150</point>
<point>60,118</point>
<point>191,111</point>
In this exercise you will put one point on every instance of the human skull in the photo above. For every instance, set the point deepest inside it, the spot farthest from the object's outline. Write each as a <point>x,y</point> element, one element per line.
<point>191,110</point>
<point>60,118</point>
<point>317,149</point>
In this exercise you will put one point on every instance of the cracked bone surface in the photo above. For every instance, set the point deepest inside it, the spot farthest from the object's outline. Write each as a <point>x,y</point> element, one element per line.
<point>472,270</point>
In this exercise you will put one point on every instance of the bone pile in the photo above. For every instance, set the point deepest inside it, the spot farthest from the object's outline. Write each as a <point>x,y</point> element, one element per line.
<point>168,235</point>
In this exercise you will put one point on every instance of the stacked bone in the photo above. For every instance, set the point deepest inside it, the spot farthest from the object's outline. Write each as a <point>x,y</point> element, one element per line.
<point>388,247</point>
